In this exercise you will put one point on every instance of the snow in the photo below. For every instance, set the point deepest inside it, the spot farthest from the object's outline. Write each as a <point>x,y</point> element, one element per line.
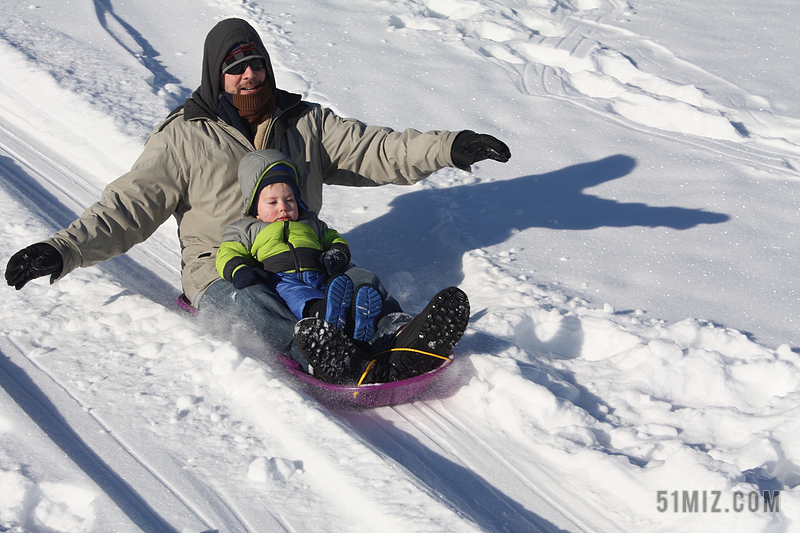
<point>632,361</point>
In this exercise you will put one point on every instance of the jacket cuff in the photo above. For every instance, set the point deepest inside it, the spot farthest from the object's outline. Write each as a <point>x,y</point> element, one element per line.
<point>447,147</point>
<point>70,255</point>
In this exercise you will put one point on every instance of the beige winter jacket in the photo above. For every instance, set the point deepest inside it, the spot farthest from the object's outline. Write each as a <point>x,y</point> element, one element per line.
<point>188,170</point>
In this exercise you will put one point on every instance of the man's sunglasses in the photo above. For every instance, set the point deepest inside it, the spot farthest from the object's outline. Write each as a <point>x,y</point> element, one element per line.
<point>239,68</point>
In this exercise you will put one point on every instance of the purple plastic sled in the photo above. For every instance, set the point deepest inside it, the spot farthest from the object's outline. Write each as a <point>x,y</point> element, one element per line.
<point>365,396</point>
<point>184,303</point>
<point>372,395</point>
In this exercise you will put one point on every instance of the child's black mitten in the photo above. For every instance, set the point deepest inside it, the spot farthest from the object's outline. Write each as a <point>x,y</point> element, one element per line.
<point>247,276</point>
<point>335,261</point>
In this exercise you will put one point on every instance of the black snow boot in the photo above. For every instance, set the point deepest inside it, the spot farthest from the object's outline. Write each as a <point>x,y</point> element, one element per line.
<point>435,331</point>
<point>333,356</point>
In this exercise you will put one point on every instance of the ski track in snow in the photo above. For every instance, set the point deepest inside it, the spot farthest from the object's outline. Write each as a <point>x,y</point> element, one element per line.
<point>557,419</point>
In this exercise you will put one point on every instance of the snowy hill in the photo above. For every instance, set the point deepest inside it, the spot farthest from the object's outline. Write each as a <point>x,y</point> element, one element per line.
<point>632,362</point>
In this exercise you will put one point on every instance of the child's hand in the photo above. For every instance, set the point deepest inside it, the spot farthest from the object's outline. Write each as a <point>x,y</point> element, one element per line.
<point>247,276</point>
<point>335,261</point>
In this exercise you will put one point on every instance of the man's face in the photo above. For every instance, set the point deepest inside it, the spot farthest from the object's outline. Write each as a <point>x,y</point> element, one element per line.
<point>244,83</point>
<point>277,202</point>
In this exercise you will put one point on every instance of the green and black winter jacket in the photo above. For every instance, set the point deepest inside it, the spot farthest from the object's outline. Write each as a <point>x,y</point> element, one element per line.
<point>283,246</point>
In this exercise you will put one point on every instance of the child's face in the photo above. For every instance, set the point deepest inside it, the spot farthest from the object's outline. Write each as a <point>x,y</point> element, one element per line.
<point>277,202</point>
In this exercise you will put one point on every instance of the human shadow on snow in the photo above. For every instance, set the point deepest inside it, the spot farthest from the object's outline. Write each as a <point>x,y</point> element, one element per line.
<point>428,231</point>
<point>143,51</point>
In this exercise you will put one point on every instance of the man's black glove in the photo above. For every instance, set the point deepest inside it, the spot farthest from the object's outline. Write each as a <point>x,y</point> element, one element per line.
<point>335,261</point>
<point>470,147</point>
<point>247,276</point>
<point>35,261</point>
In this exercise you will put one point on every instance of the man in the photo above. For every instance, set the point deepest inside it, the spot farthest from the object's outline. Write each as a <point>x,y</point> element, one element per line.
<point>188,170</point>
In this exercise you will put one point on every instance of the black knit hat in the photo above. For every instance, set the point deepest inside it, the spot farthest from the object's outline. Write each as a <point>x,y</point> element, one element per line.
<point>239,53</point>
<point>282,172</point>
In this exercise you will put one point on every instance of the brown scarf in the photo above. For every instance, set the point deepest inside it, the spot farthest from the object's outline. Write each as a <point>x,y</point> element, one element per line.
<point>256,106</point>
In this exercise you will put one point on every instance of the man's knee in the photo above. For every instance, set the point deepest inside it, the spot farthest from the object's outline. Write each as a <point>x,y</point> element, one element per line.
<point>361,276</point>
<point>254,305</point>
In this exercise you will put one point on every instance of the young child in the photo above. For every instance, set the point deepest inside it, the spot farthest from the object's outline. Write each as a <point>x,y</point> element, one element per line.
<point>278,242</point>
<point>281,245</point>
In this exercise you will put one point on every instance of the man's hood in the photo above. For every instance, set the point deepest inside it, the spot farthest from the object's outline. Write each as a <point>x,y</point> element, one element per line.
<point>219,41</point>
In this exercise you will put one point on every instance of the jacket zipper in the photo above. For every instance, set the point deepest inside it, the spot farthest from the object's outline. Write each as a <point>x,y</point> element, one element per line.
<point>291,247</point>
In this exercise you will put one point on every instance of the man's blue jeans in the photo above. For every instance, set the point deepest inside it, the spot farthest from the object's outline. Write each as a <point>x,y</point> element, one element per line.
<point>257,319</point>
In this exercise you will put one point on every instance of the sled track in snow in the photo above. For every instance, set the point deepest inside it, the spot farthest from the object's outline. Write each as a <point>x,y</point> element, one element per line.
<point>26,173</point>
<point>35,177</point>
<point>158,502</point>
<point>437,447</point>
